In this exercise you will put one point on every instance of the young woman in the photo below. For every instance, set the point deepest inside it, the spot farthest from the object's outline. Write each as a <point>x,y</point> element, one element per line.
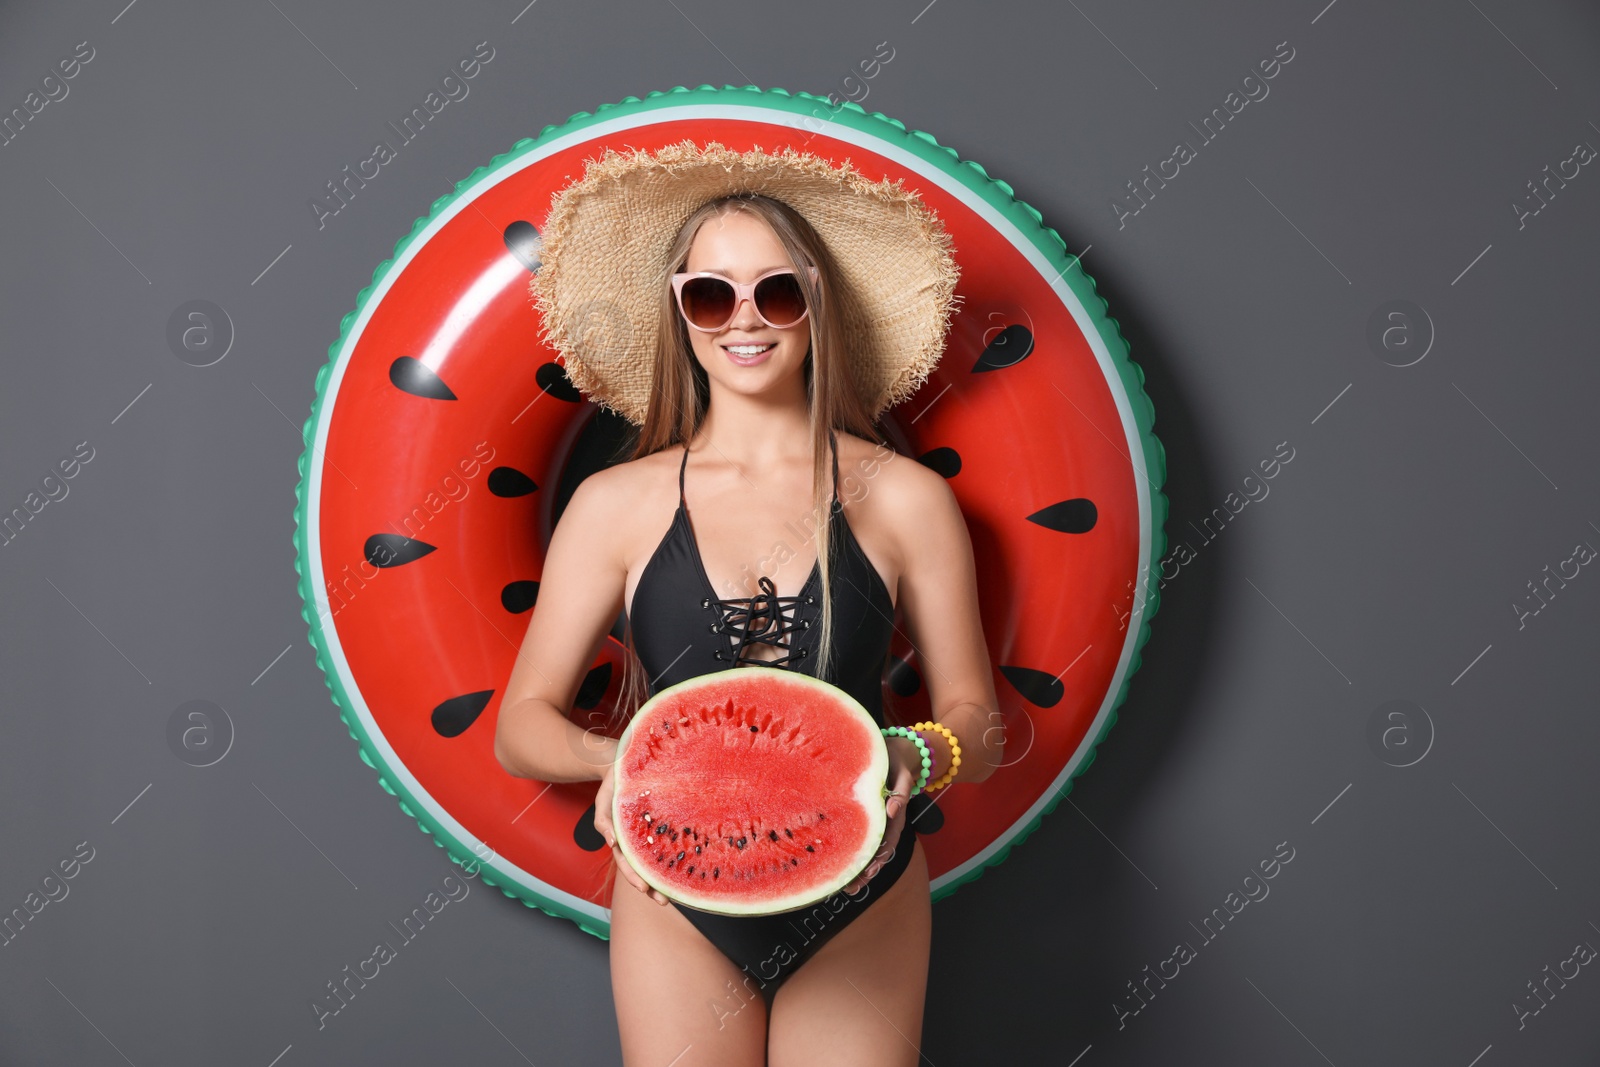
<point>755,344</point>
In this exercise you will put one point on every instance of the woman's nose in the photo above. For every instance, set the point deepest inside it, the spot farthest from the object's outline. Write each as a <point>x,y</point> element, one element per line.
<point>745,317</point>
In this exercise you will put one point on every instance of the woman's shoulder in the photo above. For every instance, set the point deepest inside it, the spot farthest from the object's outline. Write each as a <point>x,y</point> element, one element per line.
<point>868,467</point>
<point>615,496</point>
<point>893,500</point>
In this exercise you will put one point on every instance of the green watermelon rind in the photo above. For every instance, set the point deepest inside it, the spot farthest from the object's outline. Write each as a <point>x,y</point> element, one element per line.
<point>923,145</point>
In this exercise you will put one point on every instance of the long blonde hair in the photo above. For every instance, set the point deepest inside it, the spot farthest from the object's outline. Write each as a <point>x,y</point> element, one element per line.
<point>681,392</point>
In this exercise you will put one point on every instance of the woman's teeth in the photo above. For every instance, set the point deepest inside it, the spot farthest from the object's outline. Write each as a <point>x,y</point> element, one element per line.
<point>749,350</point>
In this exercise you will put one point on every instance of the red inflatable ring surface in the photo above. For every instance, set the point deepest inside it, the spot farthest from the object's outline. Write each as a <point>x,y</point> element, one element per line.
<point>445,440</point>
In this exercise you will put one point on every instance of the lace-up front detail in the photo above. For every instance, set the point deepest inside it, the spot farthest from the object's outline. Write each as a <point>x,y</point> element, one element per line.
<point>763,619</point>
<point>682,629</point>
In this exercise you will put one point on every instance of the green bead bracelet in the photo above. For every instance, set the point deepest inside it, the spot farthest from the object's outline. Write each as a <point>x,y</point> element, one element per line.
<point>927,760</point>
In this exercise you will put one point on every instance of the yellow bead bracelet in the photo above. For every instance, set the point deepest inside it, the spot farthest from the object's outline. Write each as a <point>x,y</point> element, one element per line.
<point>955,755</point>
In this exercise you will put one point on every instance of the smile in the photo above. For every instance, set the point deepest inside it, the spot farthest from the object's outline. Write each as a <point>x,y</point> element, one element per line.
<point>748,354</point>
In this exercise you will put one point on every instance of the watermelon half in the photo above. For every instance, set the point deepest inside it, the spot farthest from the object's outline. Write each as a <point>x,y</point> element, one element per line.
<point>750,791</point>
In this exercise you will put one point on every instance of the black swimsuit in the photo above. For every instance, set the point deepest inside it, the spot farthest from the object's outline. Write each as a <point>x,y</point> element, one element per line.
<point>682,630</point>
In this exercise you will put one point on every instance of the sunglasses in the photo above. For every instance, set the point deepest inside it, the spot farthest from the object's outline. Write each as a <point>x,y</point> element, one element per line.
<point>708,301</point>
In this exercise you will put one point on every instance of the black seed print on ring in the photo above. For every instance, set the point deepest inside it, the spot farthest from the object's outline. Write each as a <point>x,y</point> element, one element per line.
<point>552,378</point>
<point>410,375</point>
<point>523,241</point>
<point>930,819</point>
<point>946,462</point>
<point>585,835</point>
<point>451,718</point>
<point>904,680</point>
<point>1010,346</point>
<point>1038,687</point>
<point>510,482</point>
<point>518,597</point>
<point>1075,516</point>
<point>594,686</point>
<point>393,550</point>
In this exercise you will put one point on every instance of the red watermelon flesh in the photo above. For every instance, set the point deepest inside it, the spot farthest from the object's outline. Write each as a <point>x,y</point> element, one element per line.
<point>750,791</point>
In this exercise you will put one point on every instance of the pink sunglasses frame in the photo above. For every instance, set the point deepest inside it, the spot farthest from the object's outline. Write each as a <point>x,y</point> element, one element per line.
<point>742,291</point>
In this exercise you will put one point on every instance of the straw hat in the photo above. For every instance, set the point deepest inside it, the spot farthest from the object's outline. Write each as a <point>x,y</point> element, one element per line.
<point>607,235</point>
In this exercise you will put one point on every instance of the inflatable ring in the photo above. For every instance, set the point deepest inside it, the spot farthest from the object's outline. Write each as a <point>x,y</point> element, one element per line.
<point>445,440</point>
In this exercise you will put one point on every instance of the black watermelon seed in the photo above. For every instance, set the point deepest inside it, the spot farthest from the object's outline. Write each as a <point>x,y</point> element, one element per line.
<point>691,870</point>
<point>772,834</point>
<point>520,596</point>
<point>1037,687</point>
<point>788,831</point>
<point>740,843</point>
<point>697,850</point>
<point>680,857</point>
<point>510,482</point>
<point>411,375</point>
<point>716,872</point>
<point>794,861</point>
<point>553,380</point>
<point>686,830</point>
<point>452,718</point>
<point>810,849</point>
<point>754,730</point>
<point>585,836</point>
<point>662,829</point>
<point>1010,346</point>
<point>523,241</point>
<point>1073,516</point>
<point>945,462</point>
<point>393,550</point>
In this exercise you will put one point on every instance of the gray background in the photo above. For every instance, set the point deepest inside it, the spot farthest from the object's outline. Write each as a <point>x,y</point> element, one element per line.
<point>1382,566</point>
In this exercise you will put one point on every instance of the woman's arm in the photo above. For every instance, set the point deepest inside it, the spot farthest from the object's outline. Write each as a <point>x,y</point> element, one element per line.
<point>580,594</point>
<point>939,601</point>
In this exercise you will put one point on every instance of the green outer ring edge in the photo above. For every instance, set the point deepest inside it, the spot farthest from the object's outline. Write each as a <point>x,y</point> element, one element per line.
<point>923,145</point>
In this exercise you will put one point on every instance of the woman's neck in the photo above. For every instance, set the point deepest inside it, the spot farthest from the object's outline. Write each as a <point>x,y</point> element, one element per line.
<point>748,433</point>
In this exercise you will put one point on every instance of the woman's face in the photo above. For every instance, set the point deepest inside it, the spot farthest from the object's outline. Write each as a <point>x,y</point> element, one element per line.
<point>747,356</point>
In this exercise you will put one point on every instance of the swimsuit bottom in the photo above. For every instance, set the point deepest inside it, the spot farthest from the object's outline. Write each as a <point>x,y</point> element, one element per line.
<point>770,948</point>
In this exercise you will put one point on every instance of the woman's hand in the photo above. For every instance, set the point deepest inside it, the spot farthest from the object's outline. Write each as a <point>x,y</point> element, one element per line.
<point>905,763</point>
<point>602,823</point>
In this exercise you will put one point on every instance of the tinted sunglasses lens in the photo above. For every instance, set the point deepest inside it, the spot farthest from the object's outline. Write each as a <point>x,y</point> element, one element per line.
<point>707,302</point>
<point>780,300</point>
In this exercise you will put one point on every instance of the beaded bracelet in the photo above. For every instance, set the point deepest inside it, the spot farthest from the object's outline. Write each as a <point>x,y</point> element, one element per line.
<point>955,754</point>
<point>927,760</point>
